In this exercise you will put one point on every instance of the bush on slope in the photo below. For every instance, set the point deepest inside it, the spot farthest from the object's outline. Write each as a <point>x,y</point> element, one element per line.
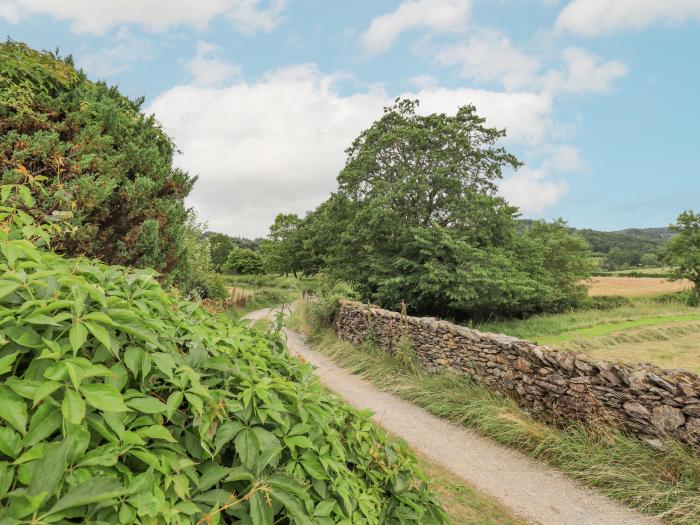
<point>121,404</point>
<point>108,168</point>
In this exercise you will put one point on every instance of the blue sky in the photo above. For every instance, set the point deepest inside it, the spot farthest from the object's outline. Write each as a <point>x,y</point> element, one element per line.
<point>599,97</point>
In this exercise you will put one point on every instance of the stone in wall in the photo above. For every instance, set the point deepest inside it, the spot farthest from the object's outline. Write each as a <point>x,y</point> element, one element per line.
<point>643,399</point>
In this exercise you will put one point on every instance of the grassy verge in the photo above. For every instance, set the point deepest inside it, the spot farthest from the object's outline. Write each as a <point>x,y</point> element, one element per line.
<point>464,504</point>
<point>664,483</point>
<point>266,291</point>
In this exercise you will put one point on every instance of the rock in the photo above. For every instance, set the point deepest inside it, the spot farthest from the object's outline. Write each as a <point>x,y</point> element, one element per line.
<point>687,389</point>
<point>692,410</point>
<point>637,380</point>
<point>661,382</point>
<point>692,428</point>
<point>636,409</point>
<point>522,364</point>
<point>667,418</point>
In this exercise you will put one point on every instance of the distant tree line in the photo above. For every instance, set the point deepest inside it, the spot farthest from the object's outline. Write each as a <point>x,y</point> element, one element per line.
<point>626,249</point>
<point>417,218</point>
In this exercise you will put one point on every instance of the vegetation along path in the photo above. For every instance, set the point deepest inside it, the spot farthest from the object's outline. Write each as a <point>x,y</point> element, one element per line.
<point>526,487</point>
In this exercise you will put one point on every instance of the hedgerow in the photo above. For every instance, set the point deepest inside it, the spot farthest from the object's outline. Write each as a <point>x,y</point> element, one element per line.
<point>120,403</point>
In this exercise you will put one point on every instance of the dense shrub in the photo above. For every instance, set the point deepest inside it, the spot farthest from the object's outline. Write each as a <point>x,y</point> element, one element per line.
<point>122,404</point>
<point>108,167</point>
<point>243,261</point>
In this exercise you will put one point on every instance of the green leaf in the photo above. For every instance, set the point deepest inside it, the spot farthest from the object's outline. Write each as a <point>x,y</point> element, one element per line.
<point>7,287</point>
<point>45,421</point>
<point>293,506</point>
<point>48,471</point>
<point>298,441</point>
<point>226,433</point>
<point>10,442</point>
<point>325,507</point>
<point>103,397</point>
<point>77,335</point>
<point>103,456</point>
<point>212,474</point>
<point>174,401</point>
<point>260,510</point>
<point>73,407</point>
<point>6,363</point>
<point>147,405</point>
<point>156,432</point>
<point>195,401</point>
<point>133,357</point>
<point>23,336</point>
<point>100,333</point>
<point>94,490</point>
<point>13,409</point>
<point>46,389</point>
<point>247,447</point>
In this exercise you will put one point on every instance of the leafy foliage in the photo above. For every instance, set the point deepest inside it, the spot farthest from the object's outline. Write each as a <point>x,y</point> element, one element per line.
<point>243,261</point>
<point>630,248</point>
<point>202,281</point>
<point>120,403</point>
<point>683,250</point>
<point>417,218</point>
<point>222,244</point>
<point>108,167</point>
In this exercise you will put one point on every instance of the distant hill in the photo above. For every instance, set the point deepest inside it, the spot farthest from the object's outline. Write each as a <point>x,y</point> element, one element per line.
<point>641,240</point>
<point>624,249</point>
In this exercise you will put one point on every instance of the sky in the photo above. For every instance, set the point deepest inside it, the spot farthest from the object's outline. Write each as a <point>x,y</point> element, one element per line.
<point>599,98</point>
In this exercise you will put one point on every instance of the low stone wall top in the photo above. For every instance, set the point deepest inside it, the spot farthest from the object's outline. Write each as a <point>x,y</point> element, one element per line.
<point>643,399</point>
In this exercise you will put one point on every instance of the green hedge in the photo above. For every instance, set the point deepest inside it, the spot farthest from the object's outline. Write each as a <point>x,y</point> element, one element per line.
<point>121,404</point>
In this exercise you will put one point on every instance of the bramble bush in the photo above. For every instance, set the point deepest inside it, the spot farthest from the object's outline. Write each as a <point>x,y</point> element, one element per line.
<point>120,403</point>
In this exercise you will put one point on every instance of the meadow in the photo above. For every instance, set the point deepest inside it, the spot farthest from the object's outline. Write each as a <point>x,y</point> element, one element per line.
<point>652,324</point>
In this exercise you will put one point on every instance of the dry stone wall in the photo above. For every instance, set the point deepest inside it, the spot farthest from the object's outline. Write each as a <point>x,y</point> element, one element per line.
<point>642,399</point>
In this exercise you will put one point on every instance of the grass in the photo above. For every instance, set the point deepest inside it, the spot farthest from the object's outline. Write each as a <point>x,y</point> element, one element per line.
<point>634,286</point>
<point>266,291</point>
<point>664,483</point>
<point>644,330</point>
<point>619,326</point>
<point>465,504</point>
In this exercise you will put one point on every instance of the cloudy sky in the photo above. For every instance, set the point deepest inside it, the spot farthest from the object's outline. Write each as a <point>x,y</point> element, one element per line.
<point>600,98</point>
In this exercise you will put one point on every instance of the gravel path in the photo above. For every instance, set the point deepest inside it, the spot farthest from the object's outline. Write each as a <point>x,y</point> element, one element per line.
<point>528,488</point>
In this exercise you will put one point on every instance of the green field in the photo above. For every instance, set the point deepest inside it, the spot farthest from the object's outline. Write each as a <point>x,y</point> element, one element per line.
<point>645,330</point>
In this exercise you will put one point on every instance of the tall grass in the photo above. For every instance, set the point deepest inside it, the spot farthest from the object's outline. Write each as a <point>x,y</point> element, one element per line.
<point>664,482</point>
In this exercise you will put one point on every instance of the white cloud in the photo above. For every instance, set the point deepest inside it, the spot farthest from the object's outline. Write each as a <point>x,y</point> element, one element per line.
<point>208,68</point>
<point>277,144</point>
<point>117,58</point>
<point>526,116</point>
<point>584,73</point>
<point>596,17</point>
<point>261,148</point>
<point>490,56</point>
<point>532,190</point>
<point>96,16</point>
<point>565,158</point>
<point>437,15</point>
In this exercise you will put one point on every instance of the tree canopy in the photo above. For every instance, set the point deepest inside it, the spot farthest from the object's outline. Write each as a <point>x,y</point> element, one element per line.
<point>417,218</point>
<point>243,261</point>
<point>683,251</point>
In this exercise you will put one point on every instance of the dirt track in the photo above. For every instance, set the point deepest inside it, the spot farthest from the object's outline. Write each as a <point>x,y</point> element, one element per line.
<point>528,488</point>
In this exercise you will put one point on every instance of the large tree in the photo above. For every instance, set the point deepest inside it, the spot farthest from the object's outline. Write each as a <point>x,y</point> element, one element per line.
<point>417,217</point>
<point>108,167</point>
<point>683,251</point>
